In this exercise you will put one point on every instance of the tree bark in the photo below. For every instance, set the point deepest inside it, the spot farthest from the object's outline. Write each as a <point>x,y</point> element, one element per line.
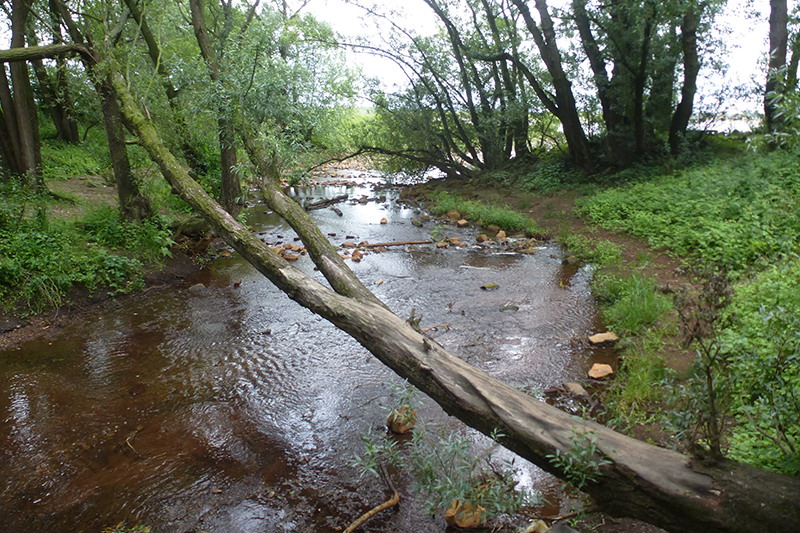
<point>190,153</point>
<point>30,156</point>
<point>545,39</point>
<point>132,204</point>
<point>650,483</point>
<point>691,68</point>
<point>230,188</point>
<point>778,43</point>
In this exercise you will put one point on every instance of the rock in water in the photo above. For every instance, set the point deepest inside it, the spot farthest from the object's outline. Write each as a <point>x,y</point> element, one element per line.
<point>462,223</point>
<point>402,420</point>
<point>600,338</point>
<point>575,389</point>
<point>464,515</point>
<point>384,221</point>
<point>600,371</point>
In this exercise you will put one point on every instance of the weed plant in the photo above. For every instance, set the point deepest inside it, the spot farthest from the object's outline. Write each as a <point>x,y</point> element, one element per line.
<point>483,214</point>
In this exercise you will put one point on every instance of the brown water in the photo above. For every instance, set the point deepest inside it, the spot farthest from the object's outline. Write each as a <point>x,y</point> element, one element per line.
<point>229,409</point>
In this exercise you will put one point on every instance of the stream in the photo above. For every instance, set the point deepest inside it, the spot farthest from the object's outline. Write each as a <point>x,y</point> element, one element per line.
<point>220,405</point>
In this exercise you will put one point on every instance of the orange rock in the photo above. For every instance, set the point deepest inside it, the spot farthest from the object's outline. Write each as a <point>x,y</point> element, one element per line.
<point>357,255</point>
<point>290,257</point>
<point>453,214</point>
<point>464,515</point>
<point>454,240</point>
<point>482,238</point>
<point>600,371</point>
<point>501,235</point>
<point>600,338</point>
<point>349,244</point>
<point>462,223</point>
<point>384,221</point>
<point>442,244</point>
<point>402,420</point>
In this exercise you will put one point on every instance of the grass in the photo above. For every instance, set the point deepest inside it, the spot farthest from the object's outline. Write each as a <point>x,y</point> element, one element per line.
<point>483,214</point>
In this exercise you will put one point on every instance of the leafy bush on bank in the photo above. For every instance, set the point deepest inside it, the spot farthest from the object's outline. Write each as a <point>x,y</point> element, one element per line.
<point>41,260</point>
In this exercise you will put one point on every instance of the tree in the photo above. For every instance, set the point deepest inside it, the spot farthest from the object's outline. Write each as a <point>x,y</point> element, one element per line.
<point>132,204</point>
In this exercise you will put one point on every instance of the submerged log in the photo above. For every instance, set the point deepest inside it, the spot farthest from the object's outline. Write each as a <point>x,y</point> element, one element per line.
<point>321,204</point>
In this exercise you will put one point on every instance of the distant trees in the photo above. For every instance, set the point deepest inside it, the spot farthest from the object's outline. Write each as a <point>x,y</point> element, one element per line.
<point>499,65</point>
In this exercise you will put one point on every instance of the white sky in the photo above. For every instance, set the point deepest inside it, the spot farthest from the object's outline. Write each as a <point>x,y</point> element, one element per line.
<point>747,40</point>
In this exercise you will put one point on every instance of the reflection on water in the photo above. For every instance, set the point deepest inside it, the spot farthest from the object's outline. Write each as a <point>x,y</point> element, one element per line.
<point>234,409</point>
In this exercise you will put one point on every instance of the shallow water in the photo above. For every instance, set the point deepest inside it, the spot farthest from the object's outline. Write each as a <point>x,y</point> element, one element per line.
<point>226,408</point>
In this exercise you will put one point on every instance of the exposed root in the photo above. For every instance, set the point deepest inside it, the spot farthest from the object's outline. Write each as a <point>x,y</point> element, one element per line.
<point>388,504</point>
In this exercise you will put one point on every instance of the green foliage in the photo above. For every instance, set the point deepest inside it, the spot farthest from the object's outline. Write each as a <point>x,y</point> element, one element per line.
<point>732,214</point>
<point>446,468</point>
<point>762,346</point>
<point>62,160</point>
<point>483,214</point>
<point>600,253</point>
<point>631,303</point>
<point>41,260</point>
<point>150,239</point>
<point>581,464</point>
<point>549,175</point>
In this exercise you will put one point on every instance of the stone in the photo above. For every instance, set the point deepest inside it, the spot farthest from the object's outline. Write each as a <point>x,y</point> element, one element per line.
<point>492,228</point>
<point>462,223</point>
<point>482,237</point>
<point>575,389</point>
<point>416,222</point>
<point>600,338</point>
<point>442,244</point>
<point>454,240</point>
<point>600,371</point>
<point>357,256</point>
<point>501,235</point>
<point>562,528</point>
<point>402,420</point>
<point>453,214</point>
<point>490,286</point>
<point>425,218</point>
<point>538,526</point>
<point>570,260</point>
<point>349,244</point>
<point>464,515</point>
<point>384,221</point>
<point>509,307</point>
<point>197,287</point>
<point>291,257</point>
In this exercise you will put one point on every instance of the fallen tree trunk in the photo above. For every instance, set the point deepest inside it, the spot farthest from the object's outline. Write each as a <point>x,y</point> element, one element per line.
<point>327,202</point>
<point>629,477</point>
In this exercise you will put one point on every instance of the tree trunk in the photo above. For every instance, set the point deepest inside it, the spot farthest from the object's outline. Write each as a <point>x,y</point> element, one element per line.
<point>53,93</point>
<point>640,480</point>
<point>132,204</point>
<point>546,42</point>
<point>30,156</point>
<point>230,189</point>
<point>691,68</point>
<point>190,153</point>
<point>778,43</point>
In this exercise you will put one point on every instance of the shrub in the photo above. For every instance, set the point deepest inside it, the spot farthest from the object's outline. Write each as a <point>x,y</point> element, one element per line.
<point>483,214</point>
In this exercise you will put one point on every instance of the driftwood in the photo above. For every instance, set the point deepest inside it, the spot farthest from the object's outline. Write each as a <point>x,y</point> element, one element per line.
<point>631,478</point>
<point>320,204</point>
